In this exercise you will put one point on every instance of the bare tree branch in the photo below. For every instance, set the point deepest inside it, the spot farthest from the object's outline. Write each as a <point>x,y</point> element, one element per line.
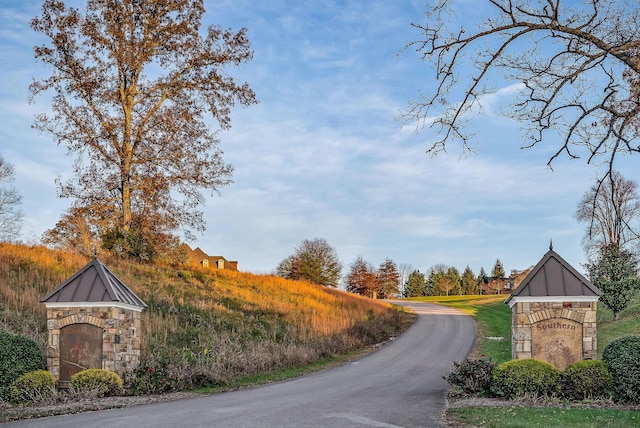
<point>578,64</point>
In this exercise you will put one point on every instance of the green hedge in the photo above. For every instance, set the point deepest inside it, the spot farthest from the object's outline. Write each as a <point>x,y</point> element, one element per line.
<point>525,378</point>
<point>18,355</point>
<point>623,359</point>
<point>589,379</point>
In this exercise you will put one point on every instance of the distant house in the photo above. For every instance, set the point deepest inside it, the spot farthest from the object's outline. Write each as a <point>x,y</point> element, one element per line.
<point>198,257</point>
<point>492,285</point>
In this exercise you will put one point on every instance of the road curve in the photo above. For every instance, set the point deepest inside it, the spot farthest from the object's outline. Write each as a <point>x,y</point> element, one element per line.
<point>399,385</point>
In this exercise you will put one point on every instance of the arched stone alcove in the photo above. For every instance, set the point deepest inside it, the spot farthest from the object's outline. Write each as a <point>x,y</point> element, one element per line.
<point>93,320</point>
<point>553,314</point>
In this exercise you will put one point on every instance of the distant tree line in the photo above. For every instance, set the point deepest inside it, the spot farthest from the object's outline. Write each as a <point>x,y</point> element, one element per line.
<point>443,280</point>
<point>315,260</point>
<point>610,209</point>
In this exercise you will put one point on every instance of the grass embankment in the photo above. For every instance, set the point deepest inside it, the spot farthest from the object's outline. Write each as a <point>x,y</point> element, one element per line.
<point>493,318</point>
<point>232,328</point>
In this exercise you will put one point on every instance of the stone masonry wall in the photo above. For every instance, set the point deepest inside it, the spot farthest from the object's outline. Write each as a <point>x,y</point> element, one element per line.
<point>527,314</point>
<point>120,335</point>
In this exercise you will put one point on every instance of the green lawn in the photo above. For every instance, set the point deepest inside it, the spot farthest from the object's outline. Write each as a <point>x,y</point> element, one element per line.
<point>609,330</point>
<point>493,318</point>
<point>526,417</point>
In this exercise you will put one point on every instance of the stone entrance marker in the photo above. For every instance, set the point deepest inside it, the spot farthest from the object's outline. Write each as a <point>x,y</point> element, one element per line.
<point>553,314</point>
<point>93,322</point>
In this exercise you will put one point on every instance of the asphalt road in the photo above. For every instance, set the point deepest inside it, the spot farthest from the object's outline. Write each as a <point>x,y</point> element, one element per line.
<point>399,385</point>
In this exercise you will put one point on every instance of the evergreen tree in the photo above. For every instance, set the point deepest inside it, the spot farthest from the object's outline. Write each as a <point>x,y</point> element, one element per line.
<point>498,279</point>
<point>469,282</point>
<point>436,274</point>
<point>416,285</point>
<point>454,285</point>
<point>615,273</point>
<point>388,279</point>
<point>498,270</point>
<point>444,280</point>
<point>482,280</point>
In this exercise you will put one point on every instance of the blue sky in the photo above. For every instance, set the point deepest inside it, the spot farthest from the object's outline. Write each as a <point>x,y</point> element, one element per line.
<point>323,154</point>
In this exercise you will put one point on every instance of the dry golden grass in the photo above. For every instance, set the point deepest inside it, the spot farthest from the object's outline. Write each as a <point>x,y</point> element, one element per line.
<point>224,323</point>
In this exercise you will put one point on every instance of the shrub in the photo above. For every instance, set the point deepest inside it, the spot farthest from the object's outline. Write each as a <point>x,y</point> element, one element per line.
<point>158,376</point>
<point>101,383</point>
<point>35,386</point>
<point>588,379</point>
<point>525,378</point>
<point>472,376</point>
<point>18,355</point>
<point>623,359</point>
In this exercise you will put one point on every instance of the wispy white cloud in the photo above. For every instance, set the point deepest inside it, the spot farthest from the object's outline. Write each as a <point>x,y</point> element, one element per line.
<point>324,156</point>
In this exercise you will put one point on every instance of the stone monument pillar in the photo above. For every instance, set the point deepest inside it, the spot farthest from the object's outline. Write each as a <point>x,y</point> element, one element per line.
<point>553,314</point>
<point>94,322</point>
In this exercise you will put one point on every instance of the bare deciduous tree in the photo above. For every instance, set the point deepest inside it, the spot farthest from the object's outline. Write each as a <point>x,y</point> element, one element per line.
<point>611,211</point>
<point>10,199</point>
<point>577,64</point>
<point>132,83</point>
<point>404,269</point>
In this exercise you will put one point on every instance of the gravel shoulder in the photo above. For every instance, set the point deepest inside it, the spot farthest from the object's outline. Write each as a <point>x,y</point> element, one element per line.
<point>9,412</point>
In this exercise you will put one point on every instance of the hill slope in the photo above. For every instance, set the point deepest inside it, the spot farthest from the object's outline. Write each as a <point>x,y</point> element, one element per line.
<point>205,327</point>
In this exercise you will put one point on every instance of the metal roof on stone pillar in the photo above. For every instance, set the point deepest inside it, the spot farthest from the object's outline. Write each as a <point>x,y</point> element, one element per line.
<point>94,284</point>
<point>551,278</point>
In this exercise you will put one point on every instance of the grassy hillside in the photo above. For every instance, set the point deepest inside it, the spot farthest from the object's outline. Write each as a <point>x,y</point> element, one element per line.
<point>494,321</point>
<point>216,325</point>
<point>628,324</point>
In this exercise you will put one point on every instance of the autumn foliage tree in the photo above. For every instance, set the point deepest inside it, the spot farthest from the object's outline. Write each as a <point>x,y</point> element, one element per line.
<point>575,64</point>
<point>74,232</point>
<point>362,278</point>
<point>132,83</point>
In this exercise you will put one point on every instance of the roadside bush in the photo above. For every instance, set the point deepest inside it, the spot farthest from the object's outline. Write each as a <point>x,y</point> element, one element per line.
<point>623,359</point>
<point>18,355</point>
<point>35,386</point>
<point>472,376</point>
<point>525,378</point>
<point>588,379</point>
<point>98,382</point>
<point>159,376</point>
